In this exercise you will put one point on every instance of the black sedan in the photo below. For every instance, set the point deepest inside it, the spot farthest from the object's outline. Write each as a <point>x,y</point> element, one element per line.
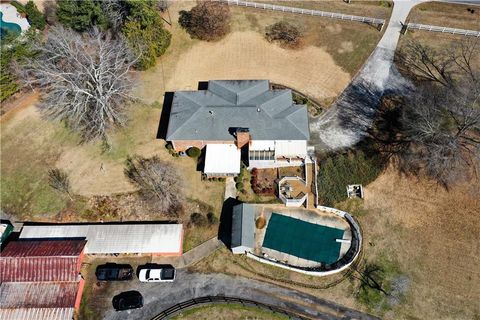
<point>127,300</point>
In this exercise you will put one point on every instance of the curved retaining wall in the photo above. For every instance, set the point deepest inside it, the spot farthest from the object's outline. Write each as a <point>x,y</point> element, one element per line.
<point>342,264</point>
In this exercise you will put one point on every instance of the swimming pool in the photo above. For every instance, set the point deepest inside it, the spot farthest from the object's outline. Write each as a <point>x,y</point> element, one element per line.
<point>8,27</point>
<point>303,239</point>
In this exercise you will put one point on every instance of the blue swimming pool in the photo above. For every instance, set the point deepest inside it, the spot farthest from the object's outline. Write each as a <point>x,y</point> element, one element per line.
<point>8,27</point>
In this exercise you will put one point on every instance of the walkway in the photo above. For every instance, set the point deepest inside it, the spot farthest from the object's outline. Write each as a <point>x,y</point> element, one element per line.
<point>192,256</point>
<point>348,120</point>
<point>160,296</point>
<point>230,189</point>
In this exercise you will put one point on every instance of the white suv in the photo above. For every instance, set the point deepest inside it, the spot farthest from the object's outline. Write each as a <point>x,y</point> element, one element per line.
<point>160,274</point>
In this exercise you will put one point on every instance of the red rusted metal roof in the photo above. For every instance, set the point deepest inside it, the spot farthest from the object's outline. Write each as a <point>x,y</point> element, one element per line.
<point>24,269</point>
<point>37,313</point>
<point>44,248</point>
<point>38,294</point>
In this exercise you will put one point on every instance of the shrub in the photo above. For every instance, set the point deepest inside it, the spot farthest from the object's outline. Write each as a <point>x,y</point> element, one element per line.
<point>185,19</point>
<point>239,185</point>
<point>169,146</point>
<point>20,8</point>
<point>81,15</point>
<point>13,49</point>
<point>105,206</point>
<point>193,152</point>
<point>260,222</point>
<point>338,171</point>
<point>158,181</point>
<point>147,41</point>
<point>207,20</point>
<point>34,16</point>
<point>212,218</point>
<point>285,33</point>
<point>198,219</point>
<point>59,181</point>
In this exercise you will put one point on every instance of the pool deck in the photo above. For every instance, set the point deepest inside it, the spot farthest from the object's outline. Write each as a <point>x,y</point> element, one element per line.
<point>11,15</point>
<point>314,216</point>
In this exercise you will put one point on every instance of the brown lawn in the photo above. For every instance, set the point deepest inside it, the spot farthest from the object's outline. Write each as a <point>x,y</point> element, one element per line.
<point>373,9</point>
<point>446,15</point>
<point>332,51</point>
<point>433,234</point>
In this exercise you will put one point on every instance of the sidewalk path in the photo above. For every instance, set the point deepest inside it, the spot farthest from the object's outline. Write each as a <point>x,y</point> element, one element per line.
<point>192,256</point>
<point>347,121</point>
<point>230,189</point>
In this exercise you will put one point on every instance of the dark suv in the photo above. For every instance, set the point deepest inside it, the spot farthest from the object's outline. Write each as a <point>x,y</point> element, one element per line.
<point>127,300</point>
<point>113,271</point>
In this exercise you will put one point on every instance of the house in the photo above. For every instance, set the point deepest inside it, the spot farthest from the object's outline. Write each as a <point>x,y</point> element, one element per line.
<point>115,238</point>
<point>234,119</point>
<point>40,279</point>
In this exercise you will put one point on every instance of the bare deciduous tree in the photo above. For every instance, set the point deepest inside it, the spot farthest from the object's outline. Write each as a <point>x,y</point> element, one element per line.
<point>116,12</point>
<point>425,63</point>
<point>441,119</point>
<point>59,181</point>
<point>464,53</point>
<point>159,183</point>
<point>442,126</point>
<point>84,78</point>
<point>422,62</point>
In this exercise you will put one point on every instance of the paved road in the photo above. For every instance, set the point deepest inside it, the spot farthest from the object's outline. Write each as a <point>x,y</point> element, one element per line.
<point>347,121</point>
<point>160,296</point>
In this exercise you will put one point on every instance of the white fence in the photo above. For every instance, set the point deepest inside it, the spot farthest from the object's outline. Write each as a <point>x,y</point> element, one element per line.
<point>463,32</point>
<point>332,15</point>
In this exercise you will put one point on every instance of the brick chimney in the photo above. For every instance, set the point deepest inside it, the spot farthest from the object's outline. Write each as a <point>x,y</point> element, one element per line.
<point>243,137</point>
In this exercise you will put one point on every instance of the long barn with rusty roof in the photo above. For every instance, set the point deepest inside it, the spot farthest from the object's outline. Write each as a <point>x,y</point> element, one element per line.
<point>40,279</point>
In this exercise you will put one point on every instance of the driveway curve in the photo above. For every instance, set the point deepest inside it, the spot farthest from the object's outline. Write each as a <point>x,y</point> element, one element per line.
<point>349,118</point>
<point>188,285</point>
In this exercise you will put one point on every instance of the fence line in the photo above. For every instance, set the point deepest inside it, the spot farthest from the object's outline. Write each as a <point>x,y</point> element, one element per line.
<point>310,12</point>
<point>221,299</point>
<point>463,32</point>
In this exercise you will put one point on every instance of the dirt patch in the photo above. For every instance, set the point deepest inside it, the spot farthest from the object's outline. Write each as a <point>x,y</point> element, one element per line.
<point>433,234</point>
<point>334,28</point>
<point>247,55</point>
<point>346,46</point>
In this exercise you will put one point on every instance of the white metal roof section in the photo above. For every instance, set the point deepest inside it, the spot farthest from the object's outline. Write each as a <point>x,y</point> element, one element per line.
<point>116,238</point>
<point>222,159</point>
<point>262,145</point>
<point>291,148</point>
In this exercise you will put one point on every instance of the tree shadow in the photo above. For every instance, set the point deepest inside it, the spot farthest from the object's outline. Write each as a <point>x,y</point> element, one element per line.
<point>165,116</point>
<point>225,227</point>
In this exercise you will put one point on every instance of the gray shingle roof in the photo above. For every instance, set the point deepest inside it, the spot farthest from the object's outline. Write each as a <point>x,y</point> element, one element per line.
<point>243,226</point>
<point>228,104</point>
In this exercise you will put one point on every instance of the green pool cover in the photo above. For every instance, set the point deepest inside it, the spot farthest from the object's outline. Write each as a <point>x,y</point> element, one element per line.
<point>302,239</point>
